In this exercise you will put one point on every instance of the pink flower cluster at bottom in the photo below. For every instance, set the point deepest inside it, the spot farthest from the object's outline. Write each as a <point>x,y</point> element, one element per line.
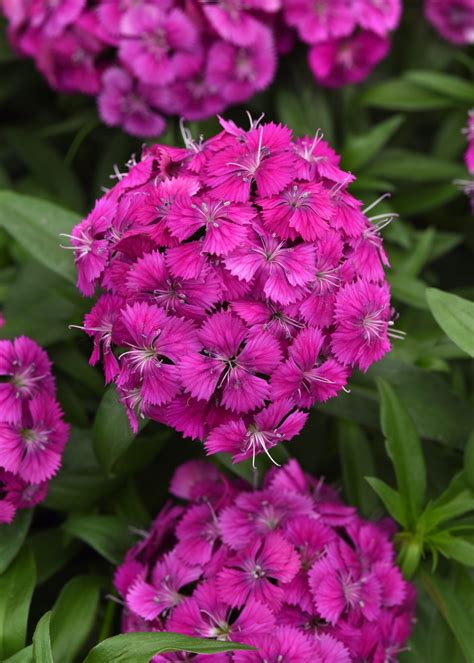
<point>32,430</point>
<point>288,569</point>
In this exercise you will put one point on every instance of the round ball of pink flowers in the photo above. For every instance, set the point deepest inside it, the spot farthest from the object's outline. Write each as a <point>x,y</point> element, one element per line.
<point>288,569</point>
<point>32,431</point>
<point>240,283</point>
<point>453,19</point>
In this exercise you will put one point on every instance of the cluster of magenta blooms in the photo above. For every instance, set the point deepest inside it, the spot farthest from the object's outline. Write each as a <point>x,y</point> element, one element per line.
<point>468,185</point>
<point>453,19</point>
<point>240,283</point>
<point>288,568</point>
<point>192,58</point>
<point>32,431</point>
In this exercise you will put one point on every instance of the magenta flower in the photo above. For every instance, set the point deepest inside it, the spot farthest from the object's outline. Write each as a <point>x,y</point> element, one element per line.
<point>158,44</point>
<point>240,282</point>
<point>321,21</point>
<point>453,19</point>
<point>32,431</point>
<point>270,568</point>
<point>469,156</point>
<point>347,60</point>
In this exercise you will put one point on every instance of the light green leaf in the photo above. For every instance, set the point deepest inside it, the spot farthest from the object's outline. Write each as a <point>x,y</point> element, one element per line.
<point>391,499</point>
<point>362,148</point>
<point>16,589</point>
<point>402,164</point>
<point>441,511</point>
<point>108,535</point>
<point>12,537</point>
<point>357,462</point>
<point>404,448</point>
<point>36,225</point>
<point>140,647</point>
<point>111,433</point>
<point>453,547</point>
<point>25,655</point>
<point>469,461</point>
<point>42,652</point>
<point>73,617</point>
<point>455,316</point>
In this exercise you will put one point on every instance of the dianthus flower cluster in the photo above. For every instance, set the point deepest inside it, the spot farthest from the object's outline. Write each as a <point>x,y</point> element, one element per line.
<point>192,58</point>
<point>288,569</point>
<point>142,60</point>
<point>468,185</point>
<point>32,430</point>
<point>346,38</point>
<point>453,19</point>
<point>240,283</point>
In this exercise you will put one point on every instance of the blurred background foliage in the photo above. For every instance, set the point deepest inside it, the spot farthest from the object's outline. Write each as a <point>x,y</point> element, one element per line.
<point>406,423</point>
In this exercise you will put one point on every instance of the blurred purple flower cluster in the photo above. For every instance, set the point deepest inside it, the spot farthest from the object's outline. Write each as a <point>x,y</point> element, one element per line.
<point>240,283</point>
<point>453,19</point>
<point>32,430</point>
<point>191,58</point>
<point>289,569</point>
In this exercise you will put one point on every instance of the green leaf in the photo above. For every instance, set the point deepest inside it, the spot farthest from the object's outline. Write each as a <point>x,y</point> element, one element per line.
<point>403,95</point>
<point>36,225</point>
<point>453,598</point>
<point>408,290</point>
<point>73,617</point>
<point>424,197</point>
<point>12,537</point>
<point>52,550</point>
<point>455,316</point>
<point>42,652</point>
<point>404,449</point>
<point>453,547</point>
<point>443,510</point>
<point>46,165</point>
<point>357,462</point>
<point>140,647</point>
<point>106,534</point>
<point>362,148</point>
<point>25,655</point>
<point>443,84</point>
<point>402,164</point>
<point>16,589</point>
<point>391,498</point>
<point>111,433</point>
<point>413,263</point>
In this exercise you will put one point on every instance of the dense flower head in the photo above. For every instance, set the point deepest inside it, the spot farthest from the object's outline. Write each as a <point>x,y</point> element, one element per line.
<point>32,431</point>
<point>193,58</point>
<point>453,19</point>
<point>346,38</point>
<point>287,568</point>
<point>240,283</point>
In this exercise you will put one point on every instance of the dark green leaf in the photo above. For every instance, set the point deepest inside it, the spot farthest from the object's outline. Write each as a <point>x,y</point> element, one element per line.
<point>42,652</point>
<point>140,647</point>
<point>404,448</point>
<point>455,316</point>
<point>403,95</point>
<point>108,535</point>
<point>357,463</point>
<point>111,433</point>
<point>362,148</point>
<point>16,589</point>
<point>52,550</point>
<point>12,537</point>
<point>408,290</point>
<point>403,164</point>
<point>444,85</point>
<point>36,225</point>
<point>453,598</point>
<point>469,461</point>
<point>25,655</point>
<point>73,617</point>
<point>421,254</point>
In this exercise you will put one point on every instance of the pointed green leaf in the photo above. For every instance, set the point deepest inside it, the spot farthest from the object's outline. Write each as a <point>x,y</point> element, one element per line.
<point>16,589</point>
<point>403,95</point>
<point>391,498</point>
<point>443,84</point>
<point>440,512</point>
<point>108,535</point>
<point>360,149</point>
<point>453,547</point>
<point>73,617</point>
<point>42,652</point>
<point>455,316</point>
<point>404,449</point>
<point>140,647</point>
<point>12,537</point>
